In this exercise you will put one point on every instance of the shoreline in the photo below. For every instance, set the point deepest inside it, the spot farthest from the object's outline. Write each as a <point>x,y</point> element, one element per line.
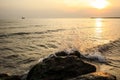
<point>106,17</point>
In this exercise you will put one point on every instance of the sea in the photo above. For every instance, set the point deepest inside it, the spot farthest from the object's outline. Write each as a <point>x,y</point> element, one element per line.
<point>23,42</point>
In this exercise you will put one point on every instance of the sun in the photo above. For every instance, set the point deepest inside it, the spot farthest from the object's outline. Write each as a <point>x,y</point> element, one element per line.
<point>100,4</point>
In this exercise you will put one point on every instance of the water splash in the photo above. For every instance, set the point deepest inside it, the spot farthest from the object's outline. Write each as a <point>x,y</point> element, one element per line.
<point>96,56</point>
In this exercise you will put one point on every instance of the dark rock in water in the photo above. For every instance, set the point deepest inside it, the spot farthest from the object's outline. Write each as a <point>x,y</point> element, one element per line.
<point>2,75</point>
<point>61,53</point>
<point>76,53</point>
<point>71,52</point>
<point>23,76</point>
<point>60,67</point>
<point>8,77</point>
<point>14,77</point>
<point>95,76</point>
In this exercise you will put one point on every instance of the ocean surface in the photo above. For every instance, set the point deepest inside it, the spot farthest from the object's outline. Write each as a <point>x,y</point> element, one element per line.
<point>24,41</point>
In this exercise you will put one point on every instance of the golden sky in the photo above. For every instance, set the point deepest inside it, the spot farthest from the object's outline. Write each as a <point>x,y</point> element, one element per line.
<point>59,8</point>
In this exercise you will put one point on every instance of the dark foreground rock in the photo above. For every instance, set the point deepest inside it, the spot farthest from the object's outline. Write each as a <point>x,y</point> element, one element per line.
<point>61,66</point>
<point>95,76</point>
<point>9,77</point>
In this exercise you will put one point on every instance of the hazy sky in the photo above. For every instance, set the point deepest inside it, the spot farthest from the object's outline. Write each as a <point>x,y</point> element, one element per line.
<point>56,8</point>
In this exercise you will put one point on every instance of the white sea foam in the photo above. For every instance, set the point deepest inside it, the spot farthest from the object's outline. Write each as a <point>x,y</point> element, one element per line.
<point>97,56</point>
<point>40,60</point>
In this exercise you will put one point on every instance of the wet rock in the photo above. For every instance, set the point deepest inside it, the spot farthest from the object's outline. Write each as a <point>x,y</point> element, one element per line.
<point>95,76</point>
<point>76,53</point>
<point>60,67</point>
<point>61,53</point>
<point>2,75</point>
<point>71,52</point>
<point>14,77</point>
<point>9,77</point>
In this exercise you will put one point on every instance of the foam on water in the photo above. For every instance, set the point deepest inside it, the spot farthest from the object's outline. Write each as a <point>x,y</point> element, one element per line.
<point>96,56</point>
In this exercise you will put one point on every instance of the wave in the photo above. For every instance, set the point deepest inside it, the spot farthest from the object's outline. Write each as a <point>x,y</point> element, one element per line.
<point>47,46</point>
<point>39,25</point>
<point>18,27</point>
<point>11,27</point>
<point>105,47</point>
<point>51,45</point>
<point>26,61</point>
<point>96,56</point>
<point>28,33</point>
<point>44,46</point>
<point>107,53</point>
<point>5,41</point>
<point>103,53</point>
<point>4,49</point>
<point>14,34</point>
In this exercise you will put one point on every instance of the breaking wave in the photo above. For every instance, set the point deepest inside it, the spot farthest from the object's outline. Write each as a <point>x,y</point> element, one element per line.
<point>96,56</point>
<point>28,33</point>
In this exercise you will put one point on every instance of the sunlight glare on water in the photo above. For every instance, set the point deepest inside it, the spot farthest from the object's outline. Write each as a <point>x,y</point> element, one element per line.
<point>98,27</point>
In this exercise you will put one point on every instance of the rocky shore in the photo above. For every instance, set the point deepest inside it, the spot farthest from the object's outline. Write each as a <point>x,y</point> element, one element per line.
<point>63,65</point>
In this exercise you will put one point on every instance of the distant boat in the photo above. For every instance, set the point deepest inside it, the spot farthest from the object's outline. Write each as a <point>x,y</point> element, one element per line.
<point>23,17</point>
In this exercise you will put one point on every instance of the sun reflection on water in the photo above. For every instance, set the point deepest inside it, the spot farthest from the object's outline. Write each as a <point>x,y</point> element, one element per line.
<point>98,25</point>
<point>98,29</point>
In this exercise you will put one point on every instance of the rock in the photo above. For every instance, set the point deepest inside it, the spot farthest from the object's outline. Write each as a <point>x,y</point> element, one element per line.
<point>95,76</point>
<point>76,53</point>
<point>13,77</point>
<point>8,77</point>
<point>71,52</point>
<point>23,76</point>
<point>61,53</point>
<point>60,67</point>
<point>3,75</point>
